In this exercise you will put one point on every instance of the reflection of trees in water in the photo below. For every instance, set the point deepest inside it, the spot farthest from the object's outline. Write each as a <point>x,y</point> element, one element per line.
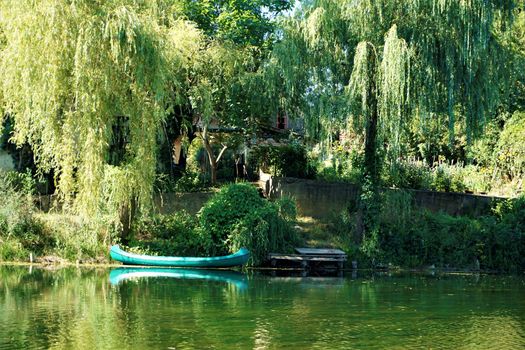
<point>73,308</point>
<point>45,306</point>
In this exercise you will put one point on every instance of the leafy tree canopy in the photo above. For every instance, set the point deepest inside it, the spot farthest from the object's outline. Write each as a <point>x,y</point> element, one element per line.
<point>433,57</point>
<point>240,21</point>
<point>82,78</point>
<point>71,71</point>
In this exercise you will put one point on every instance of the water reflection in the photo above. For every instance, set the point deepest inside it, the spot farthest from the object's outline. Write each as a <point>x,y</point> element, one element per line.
<point>186,309</point>
<point>120,274</point>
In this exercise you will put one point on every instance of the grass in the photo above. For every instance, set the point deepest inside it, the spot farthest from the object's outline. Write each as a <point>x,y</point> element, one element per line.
<point>316,233</point>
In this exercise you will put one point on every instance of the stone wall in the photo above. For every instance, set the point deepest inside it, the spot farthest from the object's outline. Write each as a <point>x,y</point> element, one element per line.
<point>192,202</point>
<point>321,200</point>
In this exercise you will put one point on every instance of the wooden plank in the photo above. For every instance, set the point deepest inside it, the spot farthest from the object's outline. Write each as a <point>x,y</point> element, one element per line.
<point>314,251</point>
<point>324,256</point>
<point>295,257</point>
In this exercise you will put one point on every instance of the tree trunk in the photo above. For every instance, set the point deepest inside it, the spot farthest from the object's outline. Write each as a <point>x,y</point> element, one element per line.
<point>213,168</point>
<point>371,164</point>
<point>211,156</point>
<point>366,215</point>
<point>126,216</point>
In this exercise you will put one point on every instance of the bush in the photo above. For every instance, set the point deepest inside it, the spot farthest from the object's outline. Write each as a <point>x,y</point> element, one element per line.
<point>414,174</point>
<point>508,248</point>
<point>511,148</point>
<point>417,237</point>
<point>442,177</point>
<point>238,217</point>
<point>20,231</point>
<point>191,181</point>
<point>289,160</point>
<point>172,234</point>
<point>336,169</point>
<point>262,231</point>
<point>76,238</point>
<point>23,230</point>
<point>411,237</point>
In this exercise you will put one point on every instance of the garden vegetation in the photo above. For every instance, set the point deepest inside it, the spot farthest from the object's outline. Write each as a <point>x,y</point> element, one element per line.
<point>111,101</point>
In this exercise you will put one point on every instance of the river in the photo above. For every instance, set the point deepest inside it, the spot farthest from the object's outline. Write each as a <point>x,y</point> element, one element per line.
<point>123,308</point>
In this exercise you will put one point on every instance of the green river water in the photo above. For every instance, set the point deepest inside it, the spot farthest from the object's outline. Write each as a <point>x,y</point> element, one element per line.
<point>81,308</point>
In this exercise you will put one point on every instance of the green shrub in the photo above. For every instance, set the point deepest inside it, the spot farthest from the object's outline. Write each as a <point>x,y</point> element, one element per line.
<point>447,178</point>
<point>511,147</point>
<point>76,238</point>
<point>284,160</point>
<point>171,234</point>
<point>191,181</point>
<point>12,250</point>
<point>415,175</point>
<point>406,236</point>
<point>343,227</point>
<point>418,237</point>
<point>441,177</point>
<point>287,208</point>
<point>237,216</point>
<point>262,230</point>
<point>224,210</point>
<point>508,247</point>
<point>24,230</point>
<point>19,229</point>
<point>477,179</point>
<point>342,161</point>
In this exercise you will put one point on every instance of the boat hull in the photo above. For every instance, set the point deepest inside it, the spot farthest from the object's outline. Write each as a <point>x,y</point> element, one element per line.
<point>236,259</point>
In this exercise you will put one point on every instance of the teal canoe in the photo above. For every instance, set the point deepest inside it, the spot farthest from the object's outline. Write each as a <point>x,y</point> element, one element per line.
<point>236,259</point>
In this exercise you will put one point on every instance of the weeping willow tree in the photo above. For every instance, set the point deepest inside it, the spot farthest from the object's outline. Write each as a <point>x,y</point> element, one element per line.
<point>432,58</point>
<point>77,73</point>
<point>377,65</point>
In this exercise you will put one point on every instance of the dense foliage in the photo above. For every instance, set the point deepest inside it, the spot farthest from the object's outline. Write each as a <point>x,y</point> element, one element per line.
<point>18,228</point>
<point>233,218</point>
<point>24,230</point>
<point>238,217</point>
<point>94,85</point>
<point>424,94</point>
<point>431,58</point>
<point>169,235</point>
<point>80,70</point>
<point>411,237</point>
<point>416,79</point>
<point>283,160</point>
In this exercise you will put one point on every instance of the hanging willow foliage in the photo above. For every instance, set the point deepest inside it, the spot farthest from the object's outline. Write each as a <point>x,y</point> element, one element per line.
<point>434,56</point>
<point>394,87</point>
<point>71,72</point>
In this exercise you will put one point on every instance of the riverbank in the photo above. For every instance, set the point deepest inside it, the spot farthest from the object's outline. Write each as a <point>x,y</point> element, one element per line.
<point>404,236</point>
<point>59,263</point>
<point>488,244</point>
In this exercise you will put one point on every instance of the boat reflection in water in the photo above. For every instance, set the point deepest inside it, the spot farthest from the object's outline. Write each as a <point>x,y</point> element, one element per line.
<point>120,274</point>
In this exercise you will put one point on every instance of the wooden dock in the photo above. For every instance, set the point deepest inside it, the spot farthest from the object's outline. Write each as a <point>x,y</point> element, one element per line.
<point>310,258</point>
